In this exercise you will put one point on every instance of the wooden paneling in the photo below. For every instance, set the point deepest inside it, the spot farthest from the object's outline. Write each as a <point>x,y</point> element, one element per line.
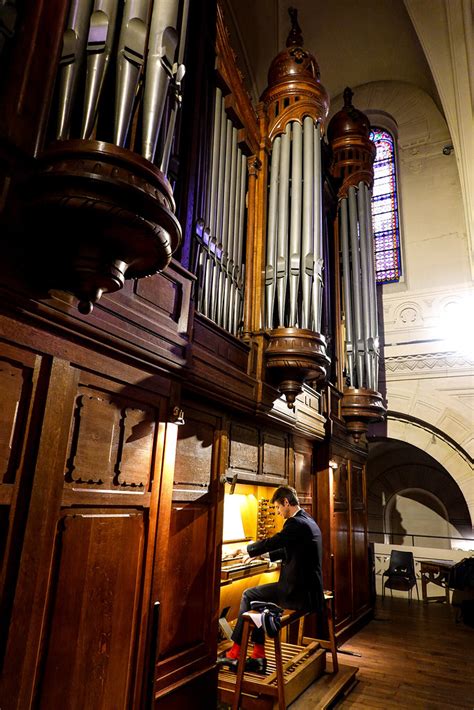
<point>188,625</point>
<point>220,364</point>
<point>360,570</point>
<point>19,373</point>
<point>275,455</point>
<point>79,615</point>
<point>94,604</point>
<point>243,448</point>
<point>194,452</point>
<point>304,472</point>
<point>111,444</point>
<point>188,554</point>
<point>341,536</point>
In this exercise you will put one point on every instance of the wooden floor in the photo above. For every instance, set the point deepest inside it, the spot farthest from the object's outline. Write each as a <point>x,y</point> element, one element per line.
<point>413,656</point>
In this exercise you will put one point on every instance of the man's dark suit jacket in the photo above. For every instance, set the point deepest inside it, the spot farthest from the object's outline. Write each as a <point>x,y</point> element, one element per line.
<point>301,581</point>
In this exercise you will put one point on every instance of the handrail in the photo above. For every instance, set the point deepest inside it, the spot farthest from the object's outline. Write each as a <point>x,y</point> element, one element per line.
<point>391,535</point>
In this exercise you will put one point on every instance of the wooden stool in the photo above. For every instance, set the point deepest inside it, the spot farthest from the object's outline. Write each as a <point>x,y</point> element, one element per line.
<point>288,617</point>
<point>241,666</point>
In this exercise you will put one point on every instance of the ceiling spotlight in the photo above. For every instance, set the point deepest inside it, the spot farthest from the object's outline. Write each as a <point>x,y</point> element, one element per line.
<point>448,149</point>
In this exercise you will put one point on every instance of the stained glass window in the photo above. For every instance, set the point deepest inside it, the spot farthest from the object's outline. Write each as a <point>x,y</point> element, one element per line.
<point>385,209</point>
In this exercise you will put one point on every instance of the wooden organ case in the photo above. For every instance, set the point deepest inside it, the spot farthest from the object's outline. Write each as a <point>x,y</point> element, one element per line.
<point>130,405</point>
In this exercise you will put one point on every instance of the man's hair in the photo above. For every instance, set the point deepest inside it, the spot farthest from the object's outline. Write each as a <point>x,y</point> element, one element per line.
<point>285,492</point>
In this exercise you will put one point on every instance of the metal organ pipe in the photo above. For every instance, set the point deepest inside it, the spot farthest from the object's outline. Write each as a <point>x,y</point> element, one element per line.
<point>282,241</point>
<point>317,231</point>
<point>130,60</point>
<point>295,253</point>
<point>364,273</point>
<point>346,278</point>
<point>220,244</point>
<point>307,240</point>
<point>162,45</point>
<point>240,267</point>
<point>99,47</point>
<point>270,270</point>
<point>295,229</point>
<point>211,205</point>
<point>374,332</point>
<point>356,286</point>
<point>74,42</point>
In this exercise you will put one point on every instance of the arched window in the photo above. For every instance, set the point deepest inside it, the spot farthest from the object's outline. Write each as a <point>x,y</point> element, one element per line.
<point>385,209</point>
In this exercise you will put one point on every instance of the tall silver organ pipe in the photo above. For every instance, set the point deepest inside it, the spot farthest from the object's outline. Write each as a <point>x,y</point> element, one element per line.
<point>72,56</point>
<point>359,289</point>
<point>294,233</point>
<point>99,47</point>
<point>162,46</point>
<point>130,62</point>
<point>220,234</point>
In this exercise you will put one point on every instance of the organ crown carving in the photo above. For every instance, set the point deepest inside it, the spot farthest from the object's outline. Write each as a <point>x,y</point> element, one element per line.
<point>353,151</point>
<point>294,89</point>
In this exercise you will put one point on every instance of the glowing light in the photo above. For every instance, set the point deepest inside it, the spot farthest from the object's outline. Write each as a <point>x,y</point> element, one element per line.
<point>454,325</point>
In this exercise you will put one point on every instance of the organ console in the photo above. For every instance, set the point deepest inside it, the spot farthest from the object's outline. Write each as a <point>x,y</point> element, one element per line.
<point>248,515</point>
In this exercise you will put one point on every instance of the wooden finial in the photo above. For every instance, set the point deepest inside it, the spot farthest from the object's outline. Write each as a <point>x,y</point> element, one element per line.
<point>348,94</point>
<point>295,36</point>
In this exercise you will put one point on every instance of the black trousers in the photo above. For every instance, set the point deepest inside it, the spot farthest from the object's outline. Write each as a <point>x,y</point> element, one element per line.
<point>264,593</point>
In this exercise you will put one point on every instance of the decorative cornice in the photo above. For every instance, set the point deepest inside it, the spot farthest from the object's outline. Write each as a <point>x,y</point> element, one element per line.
<point>428,361</point>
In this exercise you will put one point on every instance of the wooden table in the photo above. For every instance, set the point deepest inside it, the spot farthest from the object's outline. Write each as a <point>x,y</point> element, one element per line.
<point>436,572</point>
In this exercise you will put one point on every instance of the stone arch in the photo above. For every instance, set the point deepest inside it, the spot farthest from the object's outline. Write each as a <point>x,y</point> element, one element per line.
<point>395,466</point>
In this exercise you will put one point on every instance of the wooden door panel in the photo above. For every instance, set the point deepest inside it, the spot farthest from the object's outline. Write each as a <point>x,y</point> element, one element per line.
<point>360,572</point>
<point>187,625</point>
<point>187,555</point>
<point>360,562</point>
<point>342,566</point>
<point>94,607</point>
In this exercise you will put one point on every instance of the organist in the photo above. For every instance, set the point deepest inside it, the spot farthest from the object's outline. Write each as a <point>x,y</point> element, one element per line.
<point>300,585</point>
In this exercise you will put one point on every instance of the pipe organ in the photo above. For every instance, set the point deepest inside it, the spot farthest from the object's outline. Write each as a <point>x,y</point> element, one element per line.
<point>135,430</point>
<point>296,106</point>
<point>353,156</point>
<point>294,263</point>
<point>219,236</point>
<point>148,59</point>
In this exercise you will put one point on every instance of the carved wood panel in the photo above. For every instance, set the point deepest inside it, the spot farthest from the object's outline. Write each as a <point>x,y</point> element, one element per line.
<point>274,455</point>
<point>94,608</point>
<point>243,448</point>
<point>194,449</point>
<point>111,441</point>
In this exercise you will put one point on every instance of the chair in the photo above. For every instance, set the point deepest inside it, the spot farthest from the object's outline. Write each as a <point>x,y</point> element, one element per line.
<point>400,574</point>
